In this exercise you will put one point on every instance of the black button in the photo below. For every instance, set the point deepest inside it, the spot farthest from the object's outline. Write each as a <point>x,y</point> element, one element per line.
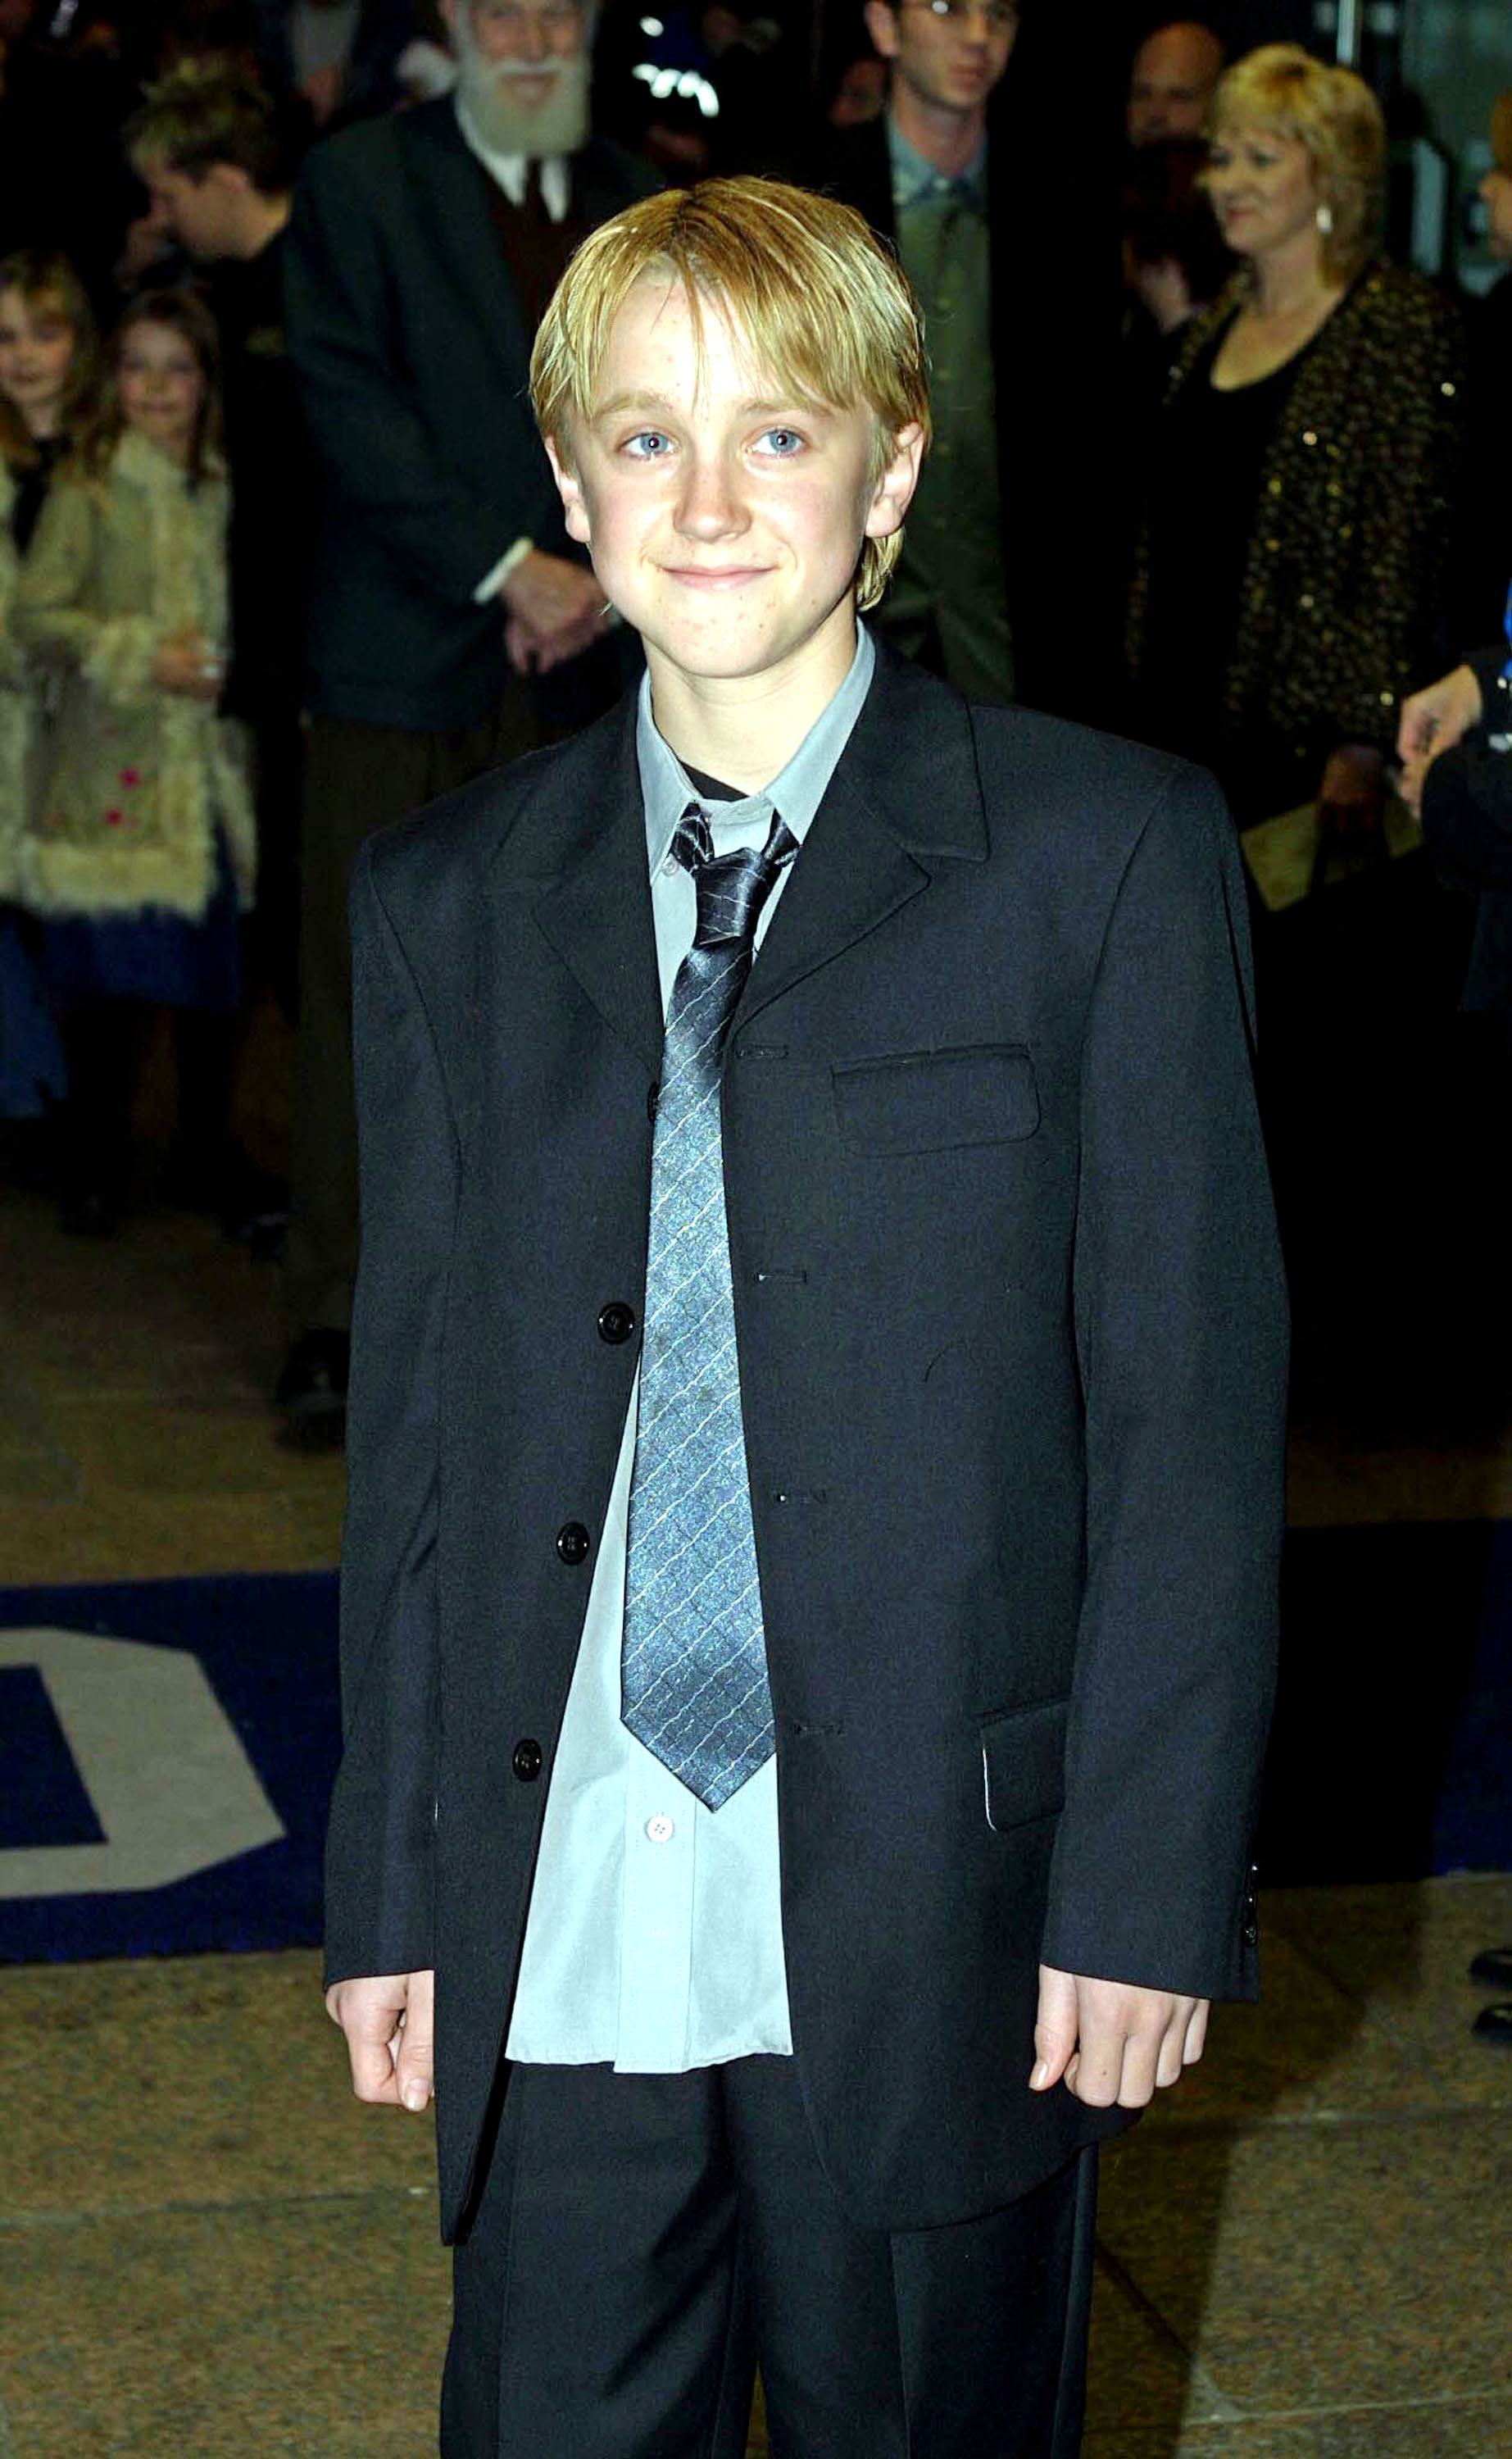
<point>616,1322</point>
<point>527,1761</point>
<point>571,1541</point>
<point>652,1093</point>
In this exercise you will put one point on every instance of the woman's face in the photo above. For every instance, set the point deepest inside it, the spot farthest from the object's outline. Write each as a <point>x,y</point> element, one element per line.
<point>36,352</point>
<point>162,388</point>
<point>1262,187</point>
<point>1496,194</point>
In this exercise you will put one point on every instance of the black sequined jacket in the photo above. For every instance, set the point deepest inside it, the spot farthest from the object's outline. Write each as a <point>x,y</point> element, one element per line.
<point>1342,589</point>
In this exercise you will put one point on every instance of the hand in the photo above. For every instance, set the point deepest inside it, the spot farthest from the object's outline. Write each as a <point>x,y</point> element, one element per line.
<point>1435,721</point>
<point>1351,789</point>
<point>323,90</point>
<point>390,2023</point>
<point>556,610</point>
<point>186,662</point>
<point>1113,2041</point>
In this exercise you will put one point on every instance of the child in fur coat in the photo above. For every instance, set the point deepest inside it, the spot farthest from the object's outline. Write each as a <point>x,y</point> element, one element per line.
<point>140,854</point>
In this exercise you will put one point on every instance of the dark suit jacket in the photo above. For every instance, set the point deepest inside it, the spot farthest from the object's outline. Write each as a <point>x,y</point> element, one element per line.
<point>412,359</point>
<point>1467,822</point>
<point>1055,308</point>
<point>1011,1333</point>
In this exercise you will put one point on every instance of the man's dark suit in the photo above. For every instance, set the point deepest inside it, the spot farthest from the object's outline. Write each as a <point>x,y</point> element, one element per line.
<point>1055,304</point>
<point>1012,1356</point>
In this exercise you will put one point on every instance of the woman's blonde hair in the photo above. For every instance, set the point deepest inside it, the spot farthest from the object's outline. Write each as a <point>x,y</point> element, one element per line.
<point>822,304</point>
<point>40,278</point>
<point>1333,113</point>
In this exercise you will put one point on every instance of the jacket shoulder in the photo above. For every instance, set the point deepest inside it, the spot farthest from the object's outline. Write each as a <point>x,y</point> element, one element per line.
<point>1109,785</point>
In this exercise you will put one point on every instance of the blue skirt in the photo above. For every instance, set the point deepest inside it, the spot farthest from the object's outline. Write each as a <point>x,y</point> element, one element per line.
<point>31,1071</point>
<point>152,956</point>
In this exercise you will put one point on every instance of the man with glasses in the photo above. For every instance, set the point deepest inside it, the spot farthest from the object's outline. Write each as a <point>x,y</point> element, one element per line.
<point>449,627</point>
<point>1008,578</point>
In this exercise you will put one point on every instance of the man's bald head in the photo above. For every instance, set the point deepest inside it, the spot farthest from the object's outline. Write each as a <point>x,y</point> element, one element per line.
<point>1175,70</point>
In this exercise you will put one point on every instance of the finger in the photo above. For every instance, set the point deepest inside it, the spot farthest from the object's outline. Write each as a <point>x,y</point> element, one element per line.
<point>1100,2064</point>
<point>1196,2040</point>
<point>1055,2030</point>
<point>1138,2071</point>
<point>372,2067</point>
<point>1169,2062</point>
<point>414,2067</point>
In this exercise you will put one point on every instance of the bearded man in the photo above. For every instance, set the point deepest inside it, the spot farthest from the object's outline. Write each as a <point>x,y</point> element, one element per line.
<point>450,626</point>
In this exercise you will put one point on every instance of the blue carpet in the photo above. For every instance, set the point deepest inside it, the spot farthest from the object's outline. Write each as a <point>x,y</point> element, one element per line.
<point>267,1726</point>
<point>1392,1756</point>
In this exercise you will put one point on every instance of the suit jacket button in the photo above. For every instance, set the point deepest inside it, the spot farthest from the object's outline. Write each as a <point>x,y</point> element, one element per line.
<point>571,1541</point>
<point>616,1322</point>
<point>527,1761</point>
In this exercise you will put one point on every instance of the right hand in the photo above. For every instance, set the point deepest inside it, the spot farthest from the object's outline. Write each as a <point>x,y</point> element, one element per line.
<point>1435,721</point>
<point>390,2023</point>
<point>187,661</point>
<point>555,609</point>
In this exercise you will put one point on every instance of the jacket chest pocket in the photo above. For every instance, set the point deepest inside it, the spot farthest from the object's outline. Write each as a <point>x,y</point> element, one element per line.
<point>929,1101</point>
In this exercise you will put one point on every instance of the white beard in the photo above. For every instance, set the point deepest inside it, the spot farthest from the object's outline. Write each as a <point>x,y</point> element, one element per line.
<point>503,124</point>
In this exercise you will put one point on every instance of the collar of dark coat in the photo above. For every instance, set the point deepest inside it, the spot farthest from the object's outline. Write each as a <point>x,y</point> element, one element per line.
<point>904,799</point>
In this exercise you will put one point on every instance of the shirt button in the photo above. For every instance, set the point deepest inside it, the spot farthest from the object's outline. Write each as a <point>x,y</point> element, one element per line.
<point>660,1828</point>
<point>670,867</point>
<point>571,1541</point>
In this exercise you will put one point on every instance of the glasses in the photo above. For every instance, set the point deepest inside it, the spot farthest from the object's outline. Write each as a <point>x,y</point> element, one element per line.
<point>1000,14</point>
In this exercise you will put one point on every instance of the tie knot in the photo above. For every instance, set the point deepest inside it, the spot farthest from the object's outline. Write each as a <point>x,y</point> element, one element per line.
<point>732,887</point>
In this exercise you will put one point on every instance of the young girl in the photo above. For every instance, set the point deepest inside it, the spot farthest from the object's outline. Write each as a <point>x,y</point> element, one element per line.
<point>46,373</point>
<point>140,851</point>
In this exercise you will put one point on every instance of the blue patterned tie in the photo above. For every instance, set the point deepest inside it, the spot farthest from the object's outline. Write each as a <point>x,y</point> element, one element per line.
<point>694,1668</point>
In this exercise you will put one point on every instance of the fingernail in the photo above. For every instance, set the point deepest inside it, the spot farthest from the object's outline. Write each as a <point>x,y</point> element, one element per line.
<point>1039,2077</point>
<point>414,2095</point>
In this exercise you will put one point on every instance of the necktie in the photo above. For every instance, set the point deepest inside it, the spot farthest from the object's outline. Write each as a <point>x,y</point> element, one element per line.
<point>694,1668</point>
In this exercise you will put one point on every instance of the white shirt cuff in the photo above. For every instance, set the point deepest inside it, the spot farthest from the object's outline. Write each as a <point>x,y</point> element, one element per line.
<point>493,581</point>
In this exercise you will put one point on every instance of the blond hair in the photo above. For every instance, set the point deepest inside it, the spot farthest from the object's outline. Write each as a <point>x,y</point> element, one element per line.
<point>40,279</point>
<point>1333,113</point>
<point>823,305</point>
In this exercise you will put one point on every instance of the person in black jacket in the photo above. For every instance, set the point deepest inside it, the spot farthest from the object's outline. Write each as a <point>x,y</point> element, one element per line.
<point>420,253</point>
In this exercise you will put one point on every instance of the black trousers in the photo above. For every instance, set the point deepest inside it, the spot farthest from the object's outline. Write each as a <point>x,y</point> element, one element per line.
<point>642,2241</point>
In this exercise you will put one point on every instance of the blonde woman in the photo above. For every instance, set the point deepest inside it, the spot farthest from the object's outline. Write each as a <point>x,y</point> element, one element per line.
<point>1291,557</point>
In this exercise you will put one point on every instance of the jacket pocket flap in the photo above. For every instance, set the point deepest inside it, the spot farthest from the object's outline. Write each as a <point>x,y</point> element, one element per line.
<point>1023,1764</point>
<point>927,1101</point>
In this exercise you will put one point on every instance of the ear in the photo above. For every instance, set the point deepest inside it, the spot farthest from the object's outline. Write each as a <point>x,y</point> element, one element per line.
<point>569,486</point>
<point>882,25</point>
<point>894,489</point>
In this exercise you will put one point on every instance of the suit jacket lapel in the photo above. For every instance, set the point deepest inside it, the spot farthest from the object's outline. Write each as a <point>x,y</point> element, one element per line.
<point>580,852</point>
<point>449,204</point>
<point>904,797</point>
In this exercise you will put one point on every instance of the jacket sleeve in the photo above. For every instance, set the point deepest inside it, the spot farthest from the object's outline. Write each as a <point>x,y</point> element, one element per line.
<point>1181,1330</point>
<point>381,1838</point>
<point>112,652</point>
<point>380,459</point>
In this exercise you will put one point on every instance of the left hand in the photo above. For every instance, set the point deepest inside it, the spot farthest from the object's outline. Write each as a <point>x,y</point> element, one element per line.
<point>1113,2043</point>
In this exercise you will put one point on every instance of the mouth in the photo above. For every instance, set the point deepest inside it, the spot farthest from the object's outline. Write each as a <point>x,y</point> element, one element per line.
<point>732,576</point>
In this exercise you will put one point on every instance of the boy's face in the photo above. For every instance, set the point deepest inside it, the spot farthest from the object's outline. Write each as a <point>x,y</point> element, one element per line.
<point>725,515</point>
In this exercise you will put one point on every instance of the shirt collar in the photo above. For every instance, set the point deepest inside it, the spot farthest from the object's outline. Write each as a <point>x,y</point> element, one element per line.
<point>508,171</point>
<point>796,793</point>
<point>915,180</point>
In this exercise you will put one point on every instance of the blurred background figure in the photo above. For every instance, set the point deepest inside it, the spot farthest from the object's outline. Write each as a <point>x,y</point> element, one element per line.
<point>1017,270</point>
<point>141,852</point>
<point>450,625</point>
<point>1175,261</point>
<point>63,184</point>
<point>860,94</point>
<point>216,157</point>
<point>47,378</point>
<point>1484,543</point>
<point>342,57</point>
<point>1172,84</point>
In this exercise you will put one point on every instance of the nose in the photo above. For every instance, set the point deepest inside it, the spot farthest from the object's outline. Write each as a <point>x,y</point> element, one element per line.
<point>531,42</point>
<point>710,506</point>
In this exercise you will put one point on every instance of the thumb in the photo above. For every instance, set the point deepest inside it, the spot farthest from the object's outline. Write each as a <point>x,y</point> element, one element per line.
<point>1054,2028</point>
<point>414,2067</point>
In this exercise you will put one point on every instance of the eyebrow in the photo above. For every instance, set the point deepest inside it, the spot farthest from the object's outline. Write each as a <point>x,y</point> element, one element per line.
<point>757,406</point>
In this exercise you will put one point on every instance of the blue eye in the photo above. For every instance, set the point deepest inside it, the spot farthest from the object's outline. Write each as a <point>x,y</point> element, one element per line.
<point>783,442</point>
<point>649,445</point>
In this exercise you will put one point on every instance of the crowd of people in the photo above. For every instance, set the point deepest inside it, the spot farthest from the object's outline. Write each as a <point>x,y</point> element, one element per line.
<point>282,559</point>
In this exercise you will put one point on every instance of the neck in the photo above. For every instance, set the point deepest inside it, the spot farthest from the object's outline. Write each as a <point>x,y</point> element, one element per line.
<point>262,218</point>
<point>949,140</point>
<point>42,424</point>
<point>1290,279</point>
<point>744,729</point>
<point>176,452</point>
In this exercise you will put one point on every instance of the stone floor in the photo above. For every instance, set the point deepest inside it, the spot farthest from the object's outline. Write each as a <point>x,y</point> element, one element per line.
<point>207,2249</point>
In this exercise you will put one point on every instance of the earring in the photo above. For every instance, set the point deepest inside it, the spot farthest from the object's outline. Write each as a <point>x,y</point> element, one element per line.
<point>1325,220</point>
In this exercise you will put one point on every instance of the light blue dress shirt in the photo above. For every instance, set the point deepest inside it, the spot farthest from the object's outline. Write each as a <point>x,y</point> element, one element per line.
<point>654,1941</point>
